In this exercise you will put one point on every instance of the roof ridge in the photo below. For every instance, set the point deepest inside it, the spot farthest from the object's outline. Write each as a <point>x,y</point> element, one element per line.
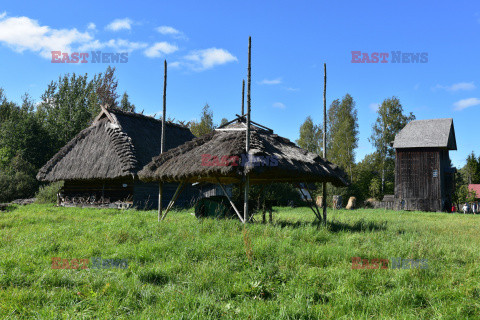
<point>123,147</point>
<point>143,116</point>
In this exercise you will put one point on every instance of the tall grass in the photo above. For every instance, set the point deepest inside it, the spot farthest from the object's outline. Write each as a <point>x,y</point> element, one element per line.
<point>184,268</point>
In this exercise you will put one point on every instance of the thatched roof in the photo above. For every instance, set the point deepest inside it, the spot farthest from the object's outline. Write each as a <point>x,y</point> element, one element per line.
<point>432,133</point>
<point>184,163</point>
<point>118,144</point>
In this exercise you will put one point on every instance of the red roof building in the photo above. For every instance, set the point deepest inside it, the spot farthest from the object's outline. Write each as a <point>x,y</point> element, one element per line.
<point>475,188</point>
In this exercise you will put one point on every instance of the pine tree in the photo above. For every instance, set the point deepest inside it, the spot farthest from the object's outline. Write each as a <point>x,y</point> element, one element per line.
<point>310,136</point>
<point>343,133</point>
<point>125,104</point>
<point>206,122</point>
<point>390,121</point>
<point>472,169</point>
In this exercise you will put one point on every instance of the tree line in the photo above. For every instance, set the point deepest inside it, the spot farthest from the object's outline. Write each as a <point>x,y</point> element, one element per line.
<point>373,176</point>
<point>31,133</point>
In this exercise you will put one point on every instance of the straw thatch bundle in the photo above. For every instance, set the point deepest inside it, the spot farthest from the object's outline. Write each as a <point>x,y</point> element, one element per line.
<point>319,201</point>
<point>351,203</point>
<point>292,164</point>
<point>118,144</point>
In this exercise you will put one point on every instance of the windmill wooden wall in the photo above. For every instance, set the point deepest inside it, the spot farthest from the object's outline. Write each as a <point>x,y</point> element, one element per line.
<point>423,180</point>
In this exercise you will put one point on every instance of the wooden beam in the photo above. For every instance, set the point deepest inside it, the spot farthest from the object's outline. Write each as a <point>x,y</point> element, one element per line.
<point>162,149</point>
<point>247,147</point>
<point>243,95</point>
<point>229,122</point>
<point>306,200</point>
<point>313,200</point>
<point>324,187</point>
<point>160,195</point>
<point>179,190</point>
<point>231,202</point>
<point>162,141</point>
<point>257,124</point>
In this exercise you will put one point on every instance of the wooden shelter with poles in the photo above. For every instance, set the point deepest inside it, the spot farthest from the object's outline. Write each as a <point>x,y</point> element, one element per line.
<point>241,152</point>
<point>220,157</point>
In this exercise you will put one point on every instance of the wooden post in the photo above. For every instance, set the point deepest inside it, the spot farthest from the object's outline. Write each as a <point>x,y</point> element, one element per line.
<point>243,97</point>
<point>247,147</point>
<point>160,192</point>
<point>162,143</point>
<point>324,189</point>
<point>230,200</point>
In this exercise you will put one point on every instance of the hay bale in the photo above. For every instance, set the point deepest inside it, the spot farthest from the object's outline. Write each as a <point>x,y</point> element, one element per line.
<point>370,203</point>
<point>352,201</point>
<point>337,202</point>
<point>319,201</point>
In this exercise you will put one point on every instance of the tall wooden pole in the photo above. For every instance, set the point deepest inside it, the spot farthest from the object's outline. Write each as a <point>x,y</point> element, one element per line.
<point>243,97</point>
<point>162,144</point>
<point>247,147</point>
<point>324,191</point>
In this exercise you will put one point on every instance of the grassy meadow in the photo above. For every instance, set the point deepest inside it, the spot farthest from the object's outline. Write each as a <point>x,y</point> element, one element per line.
<point>184,268</point>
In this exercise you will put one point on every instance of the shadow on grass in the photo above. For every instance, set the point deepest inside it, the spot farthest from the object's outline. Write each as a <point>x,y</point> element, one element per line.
<point>154,277</point>
<point>7,207</point>
<point>337,226</point>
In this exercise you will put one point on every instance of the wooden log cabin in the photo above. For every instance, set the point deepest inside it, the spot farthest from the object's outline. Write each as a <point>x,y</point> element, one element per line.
<point>424,176</point>
<point>99,166</point>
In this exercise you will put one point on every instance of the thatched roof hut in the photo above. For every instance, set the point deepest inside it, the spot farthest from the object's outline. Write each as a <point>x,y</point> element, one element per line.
<point>221,155</point>
<point>118,144</point>
<point>104,159</point>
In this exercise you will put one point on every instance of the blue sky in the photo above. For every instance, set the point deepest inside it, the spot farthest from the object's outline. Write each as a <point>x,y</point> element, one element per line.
<point>205,44</point>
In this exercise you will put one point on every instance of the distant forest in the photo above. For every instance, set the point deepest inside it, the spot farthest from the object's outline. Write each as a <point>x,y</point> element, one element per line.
<point>31,133</point>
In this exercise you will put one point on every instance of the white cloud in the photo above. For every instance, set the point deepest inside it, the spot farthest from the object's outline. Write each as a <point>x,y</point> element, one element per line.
<point>291,89</point>
<point>167,30</point>
<point>91,26</point>
<point>119,45</point>
<point>457,86</point>
<point>159,49</point>
<point>273,81</point>
<point>374,106</point>
<point>208,58</point>
<point>22,33</point>
<point>3,14</point>
<point>466,103</point>
<point>120,24</point>
<point>279,105</point>
<point>174,64</point>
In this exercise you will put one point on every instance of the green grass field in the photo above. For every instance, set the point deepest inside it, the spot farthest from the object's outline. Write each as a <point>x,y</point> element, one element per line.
<point>184,268</point>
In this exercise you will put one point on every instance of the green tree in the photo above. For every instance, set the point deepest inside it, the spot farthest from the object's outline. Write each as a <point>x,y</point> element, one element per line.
<point>390,121</point>
<point>364,172</point>
<point>125,104</point>
<point>310,136</point>
<point>472,169</point>
<point>375,188</point>
<point>206,123</point>
<point>223,121</point>
<point>106,87</point>
<point>343,133</point>
<point>68,106</point>
<point>22,133</point>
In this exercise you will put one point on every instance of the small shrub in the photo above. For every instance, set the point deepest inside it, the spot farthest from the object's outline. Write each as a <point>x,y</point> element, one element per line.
<point>48,193</point>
